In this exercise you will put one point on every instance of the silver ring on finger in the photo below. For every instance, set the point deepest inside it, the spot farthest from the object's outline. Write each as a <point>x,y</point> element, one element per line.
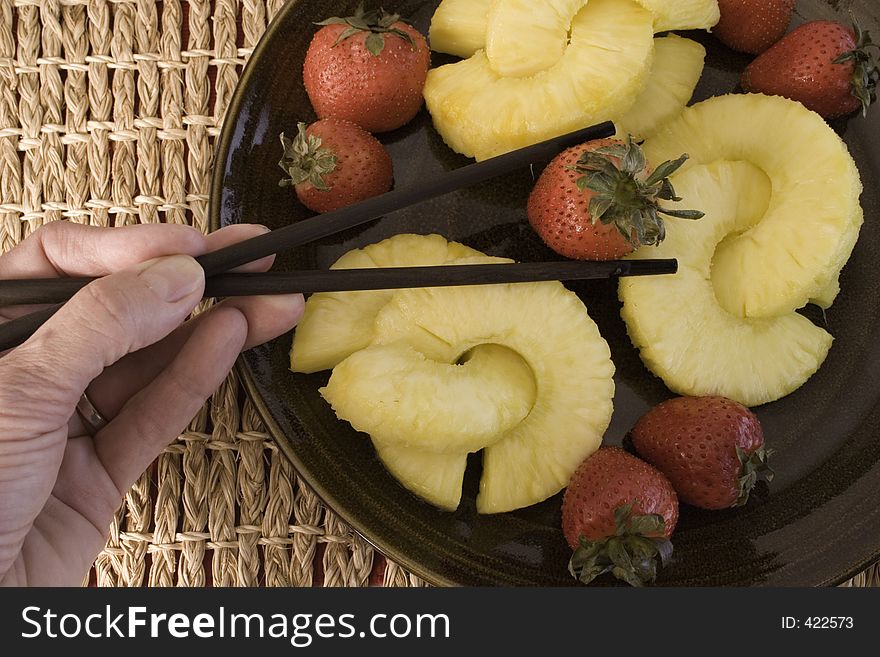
<point>91,417</point>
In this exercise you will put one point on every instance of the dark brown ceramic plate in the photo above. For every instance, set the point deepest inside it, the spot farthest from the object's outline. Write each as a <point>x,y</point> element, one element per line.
<point>819,524</point>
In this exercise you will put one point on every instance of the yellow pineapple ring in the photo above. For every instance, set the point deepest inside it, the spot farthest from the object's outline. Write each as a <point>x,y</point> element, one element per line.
<point>459,27</point>
<point>535,393</point>
<point>337,325</point>
<point>682,332</point>
<point>795,251</point>
<point>482,114</point>
<point>549,328</point>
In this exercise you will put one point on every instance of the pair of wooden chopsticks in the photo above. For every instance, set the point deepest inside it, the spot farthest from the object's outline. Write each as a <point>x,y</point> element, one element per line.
<point>219,284</point>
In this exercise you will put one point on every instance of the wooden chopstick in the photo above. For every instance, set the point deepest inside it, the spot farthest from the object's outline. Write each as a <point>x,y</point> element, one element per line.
<point>57,290</point>
<point>336,221</point>
<point>16,331</point>
<point>335,280</point>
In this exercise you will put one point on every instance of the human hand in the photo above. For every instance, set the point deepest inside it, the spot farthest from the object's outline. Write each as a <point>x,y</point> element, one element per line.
<point>146,371</point>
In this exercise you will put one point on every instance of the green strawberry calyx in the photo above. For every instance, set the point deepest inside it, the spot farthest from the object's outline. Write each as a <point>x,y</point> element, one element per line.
<point>754,467</point>
<point>866,74</point>
<point>305,160</point>
<point>631,554</point>
<point>624,195</point>
<point>377,23</point>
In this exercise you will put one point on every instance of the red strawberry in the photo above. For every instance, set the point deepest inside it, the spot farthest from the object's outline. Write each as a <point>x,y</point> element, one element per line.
<point>599,201</point>
<point>618,513</point>
<point>752,26</point>
<point>369,69</point>
<point>822,64</point>
<point>335,163</point>
<point>710,448</point>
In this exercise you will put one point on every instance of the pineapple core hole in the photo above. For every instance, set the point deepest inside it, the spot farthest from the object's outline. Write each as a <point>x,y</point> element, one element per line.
<point>726,243</point>
<point>500,351</point>
<point>753,203</point>
<point>508,352</point>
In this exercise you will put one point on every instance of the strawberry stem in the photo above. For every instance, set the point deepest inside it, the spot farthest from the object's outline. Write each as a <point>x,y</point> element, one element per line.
<point>631,554</point>
<point>625,197</point>
<point>305,160</point>
<point>866,74</point>
<point>754,467</point>
<point>376,22</point>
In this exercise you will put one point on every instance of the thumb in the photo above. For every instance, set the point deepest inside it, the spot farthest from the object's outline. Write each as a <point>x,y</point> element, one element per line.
<point>109,318</point>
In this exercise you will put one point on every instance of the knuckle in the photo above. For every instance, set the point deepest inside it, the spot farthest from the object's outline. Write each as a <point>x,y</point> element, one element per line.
<point>109,302</point>
<point>63,242</point>
<point>52,230</point>
<point>106,313</point>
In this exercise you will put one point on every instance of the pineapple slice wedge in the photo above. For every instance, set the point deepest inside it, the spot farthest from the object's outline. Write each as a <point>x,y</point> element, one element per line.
<point>605,66</point>
<point>678,65</point>
<point>410,250</point>
<point>797,249</point>
<point>826,297</point>
<point>569,359</point>
<point>402,399</point>
<point>436,478</point>
<point>458,27</point>
<point>522,39</point>
<point>683,14</point>
<point>683,334</point>
<point>337,324</point>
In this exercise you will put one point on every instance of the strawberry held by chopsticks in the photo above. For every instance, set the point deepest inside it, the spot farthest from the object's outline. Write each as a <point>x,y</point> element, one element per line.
<point>823,64</point>
<point>334,163</point>
<point>369,69</point>
<point>601,200</point>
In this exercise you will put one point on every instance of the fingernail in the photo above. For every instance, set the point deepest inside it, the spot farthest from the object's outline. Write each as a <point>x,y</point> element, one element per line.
<point>173,278</point>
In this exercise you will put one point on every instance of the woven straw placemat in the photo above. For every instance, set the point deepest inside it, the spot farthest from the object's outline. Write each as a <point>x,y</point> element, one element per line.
<point>109,111</point>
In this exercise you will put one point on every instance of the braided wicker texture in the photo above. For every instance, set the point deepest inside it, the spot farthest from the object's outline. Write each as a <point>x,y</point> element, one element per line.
<point>109,110</point>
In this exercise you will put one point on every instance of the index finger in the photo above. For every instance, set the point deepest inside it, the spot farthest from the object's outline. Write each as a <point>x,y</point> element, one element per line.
<point>64,248</point>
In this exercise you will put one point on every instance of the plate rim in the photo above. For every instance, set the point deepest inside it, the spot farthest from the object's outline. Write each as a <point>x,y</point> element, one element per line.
<point>221,151</point>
